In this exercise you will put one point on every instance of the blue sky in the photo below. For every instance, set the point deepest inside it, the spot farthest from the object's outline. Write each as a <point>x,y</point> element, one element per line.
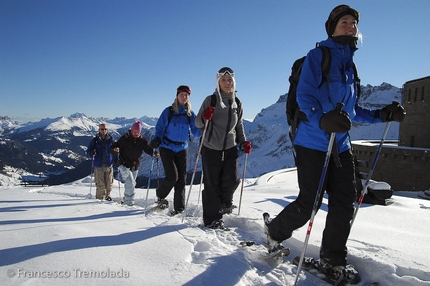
<point>125,58</point>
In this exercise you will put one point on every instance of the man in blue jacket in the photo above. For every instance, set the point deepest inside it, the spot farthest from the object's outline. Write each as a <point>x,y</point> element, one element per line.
<point>99,151</point>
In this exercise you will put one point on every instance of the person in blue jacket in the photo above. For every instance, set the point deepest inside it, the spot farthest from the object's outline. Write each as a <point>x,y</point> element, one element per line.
<point>99,151</point>
<point>172,133</point>
<point>318,100</point>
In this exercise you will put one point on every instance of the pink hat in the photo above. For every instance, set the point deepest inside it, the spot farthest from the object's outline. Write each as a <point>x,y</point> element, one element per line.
<point>137,126</point>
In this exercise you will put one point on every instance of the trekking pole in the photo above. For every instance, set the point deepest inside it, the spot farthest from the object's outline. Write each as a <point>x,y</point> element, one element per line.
<point>317,197</point>
<point>158,174</point>
<point>119,184</point>
<point>149,181</point>
<point>92,173</point>
<point>195,168</point>
<point>369,175</point>
<point>243,180</point>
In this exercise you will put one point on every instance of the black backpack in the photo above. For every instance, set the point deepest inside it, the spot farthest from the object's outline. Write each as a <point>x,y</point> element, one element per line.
<point>294,114</point>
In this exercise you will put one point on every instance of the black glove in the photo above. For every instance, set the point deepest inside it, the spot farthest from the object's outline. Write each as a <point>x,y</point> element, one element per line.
<point>393,112</point>
<point>93,152</point>
<point>335,121</point>
<point>155,143</point>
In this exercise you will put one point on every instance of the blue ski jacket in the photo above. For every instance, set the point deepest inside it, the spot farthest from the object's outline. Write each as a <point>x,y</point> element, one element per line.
<point>174,135</point>
<point>315,99</point>
<point>103,155</point>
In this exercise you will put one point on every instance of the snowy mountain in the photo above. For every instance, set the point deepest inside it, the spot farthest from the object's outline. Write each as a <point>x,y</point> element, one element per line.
<point>57,145</point>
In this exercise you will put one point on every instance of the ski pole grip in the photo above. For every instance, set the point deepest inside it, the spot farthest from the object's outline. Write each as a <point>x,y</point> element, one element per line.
<point>339,106</point>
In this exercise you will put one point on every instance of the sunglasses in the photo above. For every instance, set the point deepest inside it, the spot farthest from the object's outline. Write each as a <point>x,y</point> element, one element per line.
<point>103,129</point>
<point>226,71</point>
<point>341,9</point>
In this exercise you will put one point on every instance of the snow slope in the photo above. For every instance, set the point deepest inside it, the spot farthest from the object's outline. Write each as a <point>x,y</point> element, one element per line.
<point>58,236</point>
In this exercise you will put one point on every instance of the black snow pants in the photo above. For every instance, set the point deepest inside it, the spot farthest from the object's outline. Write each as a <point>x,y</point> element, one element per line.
<point>340,188</point>
<point>175,169</point>
<point>220,177</point>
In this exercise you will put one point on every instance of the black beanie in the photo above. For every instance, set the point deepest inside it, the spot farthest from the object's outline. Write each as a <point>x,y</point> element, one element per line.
<point>337,13</point>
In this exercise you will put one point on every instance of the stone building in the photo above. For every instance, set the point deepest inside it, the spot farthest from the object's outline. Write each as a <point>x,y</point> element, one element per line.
<point>404,164</point>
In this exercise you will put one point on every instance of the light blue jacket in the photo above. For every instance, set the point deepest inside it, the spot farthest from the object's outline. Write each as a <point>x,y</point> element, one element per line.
<point>314,98</point>
<point>175,135</point>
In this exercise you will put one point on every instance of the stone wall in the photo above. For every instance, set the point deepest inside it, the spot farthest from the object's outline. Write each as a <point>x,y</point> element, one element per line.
<point>405,164</point>
<point>404,168</point>
<point>415,129</point>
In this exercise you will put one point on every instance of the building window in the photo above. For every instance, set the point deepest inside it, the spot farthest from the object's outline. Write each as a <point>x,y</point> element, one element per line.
<point>409,96</point>
<point>422,94</point>
<point>416,94</point>
<point>412,141</point>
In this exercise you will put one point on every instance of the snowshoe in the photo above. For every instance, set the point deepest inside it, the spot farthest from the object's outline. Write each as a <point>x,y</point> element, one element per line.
<point>173,213</point>
<point>227,210</point>
<point>335,275</point>
<point>271,244</point>
<point>217,224</point>
<point>162,204</point>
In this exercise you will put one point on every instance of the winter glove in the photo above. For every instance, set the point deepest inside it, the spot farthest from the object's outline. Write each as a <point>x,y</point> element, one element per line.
<point>155,143</point>
<point>93,152</point>
<point>335,121</point>
<point>208,113</point>
<point>393,112</point>
<point>246,147</point>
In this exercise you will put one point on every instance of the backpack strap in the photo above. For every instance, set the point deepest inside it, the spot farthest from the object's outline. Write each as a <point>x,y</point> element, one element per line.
<point>96,140</point>
<point>169,118</point>
<point>171,112</point>
<point>213,100</point>
<point>325,63</point>
<point>357,82</point>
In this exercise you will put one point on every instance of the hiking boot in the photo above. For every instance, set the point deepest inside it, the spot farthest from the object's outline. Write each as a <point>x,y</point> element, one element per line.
<point>227,210</point>
<point>162,203</point>
<point>217,224</point>
<point>109,199</point>
<point>271,244</point>
<point>339,272</point>
<point>173,213</point>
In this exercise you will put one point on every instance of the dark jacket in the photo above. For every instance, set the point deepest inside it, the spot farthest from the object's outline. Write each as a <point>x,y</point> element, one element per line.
<point>103,155</point>
<point>131,149</point>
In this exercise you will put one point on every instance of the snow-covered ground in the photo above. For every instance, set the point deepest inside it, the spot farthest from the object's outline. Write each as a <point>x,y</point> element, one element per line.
<point>58,236</point>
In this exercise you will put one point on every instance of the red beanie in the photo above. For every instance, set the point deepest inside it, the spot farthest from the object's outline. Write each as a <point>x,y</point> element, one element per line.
<point>183,88</point>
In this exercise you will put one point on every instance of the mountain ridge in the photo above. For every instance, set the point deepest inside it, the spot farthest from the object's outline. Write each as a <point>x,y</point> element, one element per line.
<point>56,145</point>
